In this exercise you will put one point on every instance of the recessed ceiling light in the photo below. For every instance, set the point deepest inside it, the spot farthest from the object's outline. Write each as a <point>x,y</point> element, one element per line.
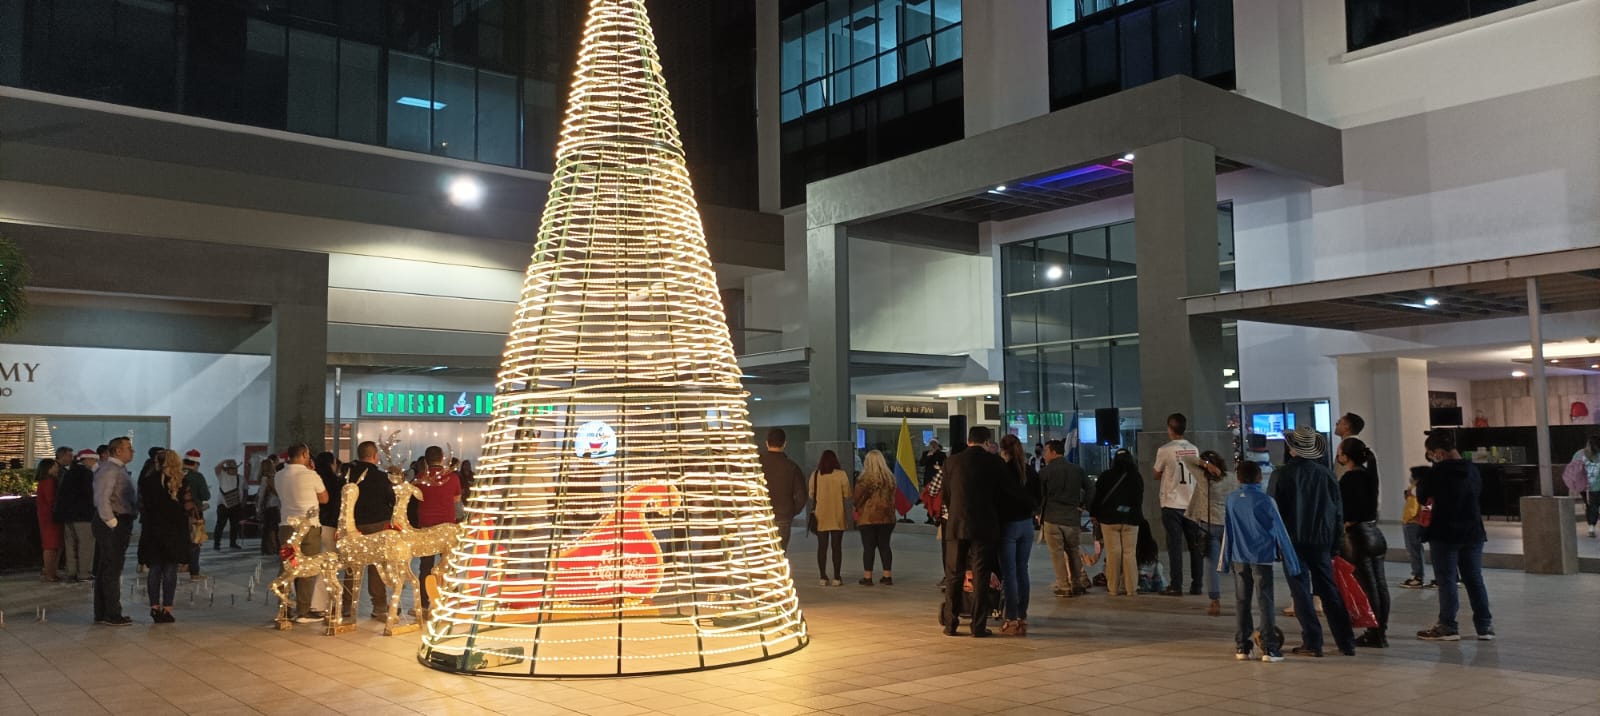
<point>1430,302</point>
<point>1002,187</point>
<point>1053,273</point>
<point>466,192</point>
<point>1555,360</point>
<point>1127,157</point>
<point>1596,366</point>
<point>1518,374</point>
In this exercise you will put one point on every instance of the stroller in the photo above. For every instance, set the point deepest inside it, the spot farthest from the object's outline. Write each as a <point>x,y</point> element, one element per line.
<point>968,606</point>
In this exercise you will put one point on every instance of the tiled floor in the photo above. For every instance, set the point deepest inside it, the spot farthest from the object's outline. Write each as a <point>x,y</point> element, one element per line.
<point>874,650</point>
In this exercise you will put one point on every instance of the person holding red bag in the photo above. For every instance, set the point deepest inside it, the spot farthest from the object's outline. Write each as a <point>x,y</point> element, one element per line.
<point>1364,545</point>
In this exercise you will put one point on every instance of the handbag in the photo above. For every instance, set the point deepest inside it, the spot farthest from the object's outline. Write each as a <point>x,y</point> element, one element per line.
<point>1576,477</point>
<point>1425,513</point>
<point>197,532</point>
<point>1355,599</point>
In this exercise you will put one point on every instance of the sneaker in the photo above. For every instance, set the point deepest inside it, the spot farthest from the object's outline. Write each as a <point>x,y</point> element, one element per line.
<point>1272,658</point>
<point>311,618</point>
<point>1591,532</point>
<point>1173,591</point>
<point>116,621</point>
<point>822,582</point>
<point>1062,593</point>
<point>1432,584</point>
<point>196,578</point>
<point>1438,633</point>
<point>864,581</point>
<point>837,582</point>
<point>1306,651</point>
<point>886,581</point>
<point>1486,635</point>
<point>1412,583</point>
<point>1372,639</point>
<point>1241,654</point>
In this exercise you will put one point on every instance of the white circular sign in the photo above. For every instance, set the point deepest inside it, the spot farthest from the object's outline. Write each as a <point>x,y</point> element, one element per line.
<point>595,440</point>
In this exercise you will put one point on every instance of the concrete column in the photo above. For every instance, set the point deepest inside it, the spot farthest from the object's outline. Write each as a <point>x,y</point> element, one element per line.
<point>1354,377</point>
<point>1549,528</point>
<point>769,115</point>
<point>1397,427</point>
<point>299,374</point>
<point>1175,226</point>
<point>828,316</point>
<point>996,39</point>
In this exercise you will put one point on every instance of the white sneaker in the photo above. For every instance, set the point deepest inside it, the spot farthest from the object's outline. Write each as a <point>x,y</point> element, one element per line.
<point>1270,659</point>
<point>822,582</point>
<point>838,582</point>
<point>1591,532</point>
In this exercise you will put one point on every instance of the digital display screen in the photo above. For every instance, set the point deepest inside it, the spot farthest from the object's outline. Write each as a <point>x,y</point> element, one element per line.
<point>1272,425</point>
<point>1087,435</point>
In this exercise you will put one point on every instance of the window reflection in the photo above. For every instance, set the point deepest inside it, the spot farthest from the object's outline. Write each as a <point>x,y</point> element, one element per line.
<point>851,48</point>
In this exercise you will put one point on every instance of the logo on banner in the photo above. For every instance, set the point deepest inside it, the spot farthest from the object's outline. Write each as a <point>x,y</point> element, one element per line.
<point>596,440</point>
<point>462,408</point>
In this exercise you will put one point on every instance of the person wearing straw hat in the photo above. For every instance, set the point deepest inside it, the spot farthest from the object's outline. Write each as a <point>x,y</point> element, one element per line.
<point>230,511</point>
<point>1313,513</point>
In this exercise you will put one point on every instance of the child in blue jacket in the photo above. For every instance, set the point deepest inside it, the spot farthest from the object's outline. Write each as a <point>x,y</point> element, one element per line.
<point>1253,539</point>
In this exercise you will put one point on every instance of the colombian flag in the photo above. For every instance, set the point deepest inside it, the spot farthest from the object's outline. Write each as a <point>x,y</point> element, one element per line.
<point>905,471</point>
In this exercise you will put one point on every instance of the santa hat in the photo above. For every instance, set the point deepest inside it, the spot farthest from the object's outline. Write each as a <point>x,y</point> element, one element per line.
<point>192,456</point>
<point>87,454</point>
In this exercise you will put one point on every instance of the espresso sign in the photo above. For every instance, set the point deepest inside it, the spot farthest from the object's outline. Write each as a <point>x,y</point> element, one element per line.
<point>923,409</point>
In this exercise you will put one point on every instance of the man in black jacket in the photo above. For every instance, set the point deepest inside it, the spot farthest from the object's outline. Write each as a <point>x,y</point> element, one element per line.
<point>373,510</point>
<point>786,487</point>
<point>1313,513</point>
<point>1455,537</point>
<point>75,511</point>
<point>971,479</point>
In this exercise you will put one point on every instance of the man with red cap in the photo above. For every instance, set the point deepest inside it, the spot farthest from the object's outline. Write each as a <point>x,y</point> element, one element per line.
<point>200,493</point>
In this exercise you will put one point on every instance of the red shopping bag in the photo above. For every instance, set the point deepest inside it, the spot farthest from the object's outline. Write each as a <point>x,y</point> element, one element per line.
<point>1355,600</point>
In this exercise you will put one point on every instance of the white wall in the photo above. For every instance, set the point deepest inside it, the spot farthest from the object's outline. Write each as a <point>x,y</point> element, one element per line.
<point>1462,389</point>
<point>215,403</point>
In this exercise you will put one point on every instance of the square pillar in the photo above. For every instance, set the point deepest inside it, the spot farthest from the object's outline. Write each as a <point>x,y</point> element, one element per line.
<point>1397,427</point>
<point>299,374</point>
<point>828,317</point>
<point>1175,229</point>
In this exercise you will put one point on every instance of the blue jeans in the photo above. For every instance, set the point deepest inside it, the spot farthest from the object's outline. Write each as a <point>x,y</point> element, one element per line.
<point>1016,544</point>
<point>1413,533</point>
<point>1465,560</point>
<point>1172,521</point>
<point>1214,553</point>
<point>1316,577</point>
<point>1254,581</point>
<point>161,582</point>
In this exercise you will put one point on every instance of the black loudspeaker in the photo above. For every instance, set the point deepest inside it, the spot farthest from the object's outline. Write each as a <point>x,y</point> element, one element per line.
<point>958,432</point>
<point>1108,426</point>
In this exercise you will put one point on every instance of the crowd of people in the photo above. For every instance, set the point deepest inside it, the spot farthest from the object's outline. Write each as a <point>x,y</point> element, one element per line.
<point>89,501</point>
<point>992,502</point>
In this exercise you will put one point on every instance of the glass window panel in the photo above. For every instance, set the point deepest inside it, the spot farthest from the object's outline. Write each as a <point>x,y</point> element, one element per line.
<point>1123,256</point>
<point>814,99</point>
<point>864,30</point>
<point>1022,319</point>
<point>1055,315</point>
<point>262,102</point>
<point>146,56</point>
<point>948,45</point>
<point>888,25</point>
<point>1225,234</point>
<point>359,88</point>
<point>793,65</point>
<point>1213,38</point>
<point>838,10</point>
<point>1066,66</point>
<point>1063,13</point>
<point>1019,265</point>
<point>11,42</point>
<point>1228,280</point>
<point>918,56</point>
<point>840,41</point>
<point>946,14</point>
<point>1022,380</point>
<point>1435,13</point>
<point>1100,58</point>
<point>888,69</point>
<point>1089,261</point>
<point>790,105</point>
<point>816,53</point>
<point>1174,39</point>
<point>361,16</point>
<point>841,87</point>
<point>1125,392</point>
<point>1056,379</point>
<point>410,102</point>
<point>313,84</point>
<point>917,18</point>
<point>865,78</point>
<point>1137,47</point>
<point>816,17</point>
<point>1091,375</point>
<point>455,123</point>
<point>1124,307</point>
<point>498,120</point>
<point>1091,311</point>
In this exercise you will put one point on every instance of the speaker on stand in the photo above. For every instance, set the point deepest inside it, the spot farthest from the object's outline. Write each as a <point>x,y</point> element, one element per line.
<point>1108,426</point>
<point>958,433</point>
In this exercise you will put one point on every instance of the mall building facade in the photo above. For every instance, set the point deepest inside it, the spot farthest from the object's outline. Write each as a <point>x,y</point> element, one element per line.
<point>1260,212</point>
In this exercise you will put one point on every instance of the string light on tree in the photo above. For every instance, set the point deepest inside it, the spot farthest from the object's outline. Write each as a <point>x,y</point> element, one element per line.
<point>618,523</point>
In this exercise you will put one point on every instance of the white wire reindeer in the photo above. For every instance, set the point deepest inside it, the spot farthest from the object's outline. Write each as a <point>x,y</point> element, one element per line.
<point>386,551</point>
<point>300,565</point>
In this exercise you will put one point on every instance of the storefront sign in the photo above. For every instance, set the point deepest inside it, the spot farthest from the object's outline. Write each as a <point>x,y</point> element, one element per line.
<point>16,372</point>
<point>425,405</point>
<point>914,409</point>
<point>1039,420</point>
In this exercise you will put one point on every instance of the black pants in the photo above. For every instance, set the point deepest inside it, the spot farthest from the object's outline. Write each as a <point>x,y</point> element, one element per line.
<point>1180,540</point>
<point>1364,549</point>
<point>785,529</point>
<point>270,541</point>
<point>226,516</point>
<point>826,539</point>
<point>875,538</point>
<point>960,556</point>
<point>111,550</point>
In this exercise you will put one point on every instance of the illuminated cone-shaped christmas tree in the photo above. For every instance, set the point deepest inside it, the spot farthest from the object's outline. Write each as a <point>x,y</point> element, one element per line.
<point>619,523</point>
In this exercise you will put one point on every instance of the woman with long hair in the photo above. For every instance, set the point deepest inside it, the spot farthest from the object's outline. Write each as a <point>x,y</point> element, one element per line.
<point>1364,544</point>
<point>1118,509</point>
<point>829,490</point>
<point>466,474</point>
<point>874,498</point>
<point>1207,507</point>
<point>269,509</point>
<point>1016,502</point>
<point>47,475</point>
<point>164,535</point>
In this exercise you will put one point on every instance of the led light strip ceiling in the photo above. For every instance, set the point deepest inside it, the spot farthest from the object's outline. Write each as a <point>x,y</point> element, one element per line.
<point>619,523</point>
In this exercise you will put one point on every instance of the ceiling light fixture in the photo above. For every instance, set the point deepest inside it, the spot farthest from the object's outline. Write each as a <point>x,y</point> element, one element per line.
<point>1518,374</point>
<point>466,192</point>
<point>1430,302</point>
<point>1053,273</point>
<point>422,103</point>
<point>1128,157</point>
<point>1002,187</point>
